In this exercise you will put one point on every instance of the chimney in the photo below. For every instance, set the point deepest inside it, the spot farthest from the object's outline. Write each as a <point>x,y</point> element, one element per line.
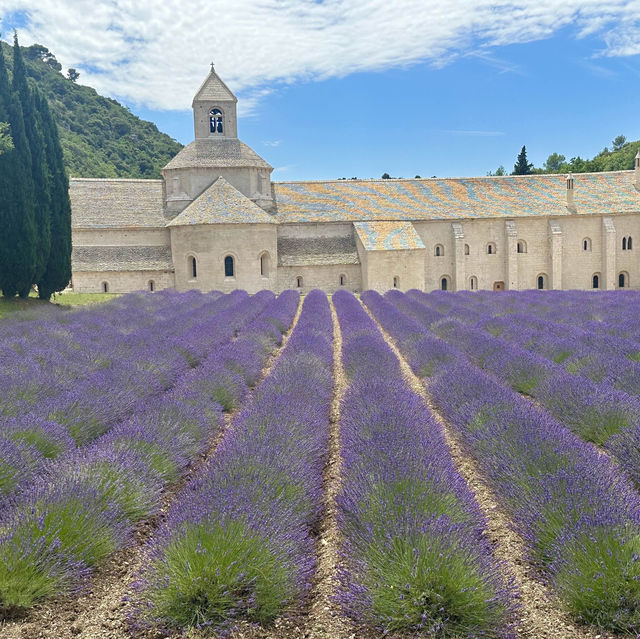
<point>637,170</point>
<point>570,203</point>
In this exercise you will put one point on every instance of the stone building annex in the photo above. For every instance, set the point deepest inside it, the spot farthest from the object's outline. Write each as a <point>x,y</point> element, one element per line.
<point>217,221</point>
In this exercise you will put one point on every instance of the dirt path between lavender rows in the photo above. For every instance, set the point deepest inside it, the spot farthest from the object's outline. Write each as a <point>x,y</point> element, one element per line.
<point>99,612</point>
<point>541,615</point>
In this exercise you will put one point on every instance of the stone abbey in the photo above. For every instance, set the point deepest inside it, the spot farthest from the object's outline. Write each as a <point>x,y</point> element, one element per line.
<point>216,221</point>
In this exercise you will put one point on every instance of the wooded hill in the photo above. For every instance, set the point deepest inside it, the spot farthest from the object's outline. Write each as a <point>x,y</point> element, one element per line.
<point>99,137</point>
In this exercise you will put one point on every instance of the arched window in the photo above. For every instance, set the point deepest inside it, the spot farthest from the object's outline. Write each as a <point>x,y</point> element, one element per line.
<point>215,121</point>
<point>521,246</point>
<point>229,267</point>
<point>586,244</point>
<point>623,280</point>
<point>595,280</point>
<point>473,283</point>
<point>466,249</point>
<point>265,263</point>
<point>629,243</point>
<point>396,282</point>
<point>343,280</point>
<point>439,250</point>
<point>444,283</point>
<point>491,248</point>
<point>105,287</point>
<point>624,243</point>
<point>299,281</point>
<point>193,267</point>
<point>152,285</point>
<point>541,281</point>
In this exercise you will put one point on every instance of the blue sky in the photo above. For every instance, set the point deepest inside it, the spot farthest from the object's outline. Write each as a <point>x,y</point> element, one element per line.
<point>356,88</point>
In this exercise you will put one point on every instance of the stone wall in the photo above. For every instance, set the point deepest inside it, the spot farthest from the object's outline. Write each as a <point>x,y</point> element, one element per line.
<point>121,281</point>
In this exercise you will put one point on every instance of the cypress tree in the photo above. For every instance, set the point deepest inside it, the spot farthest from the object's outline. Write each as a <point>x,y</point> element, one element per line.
<point>39,169</point>
<point>17,236</point>
<point>57,272</point>
<point>522,165</point>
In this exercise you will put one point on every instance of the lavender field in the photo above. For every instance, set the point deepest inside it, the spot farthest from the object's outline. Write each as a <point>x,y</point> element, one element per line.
<point>407,465</point>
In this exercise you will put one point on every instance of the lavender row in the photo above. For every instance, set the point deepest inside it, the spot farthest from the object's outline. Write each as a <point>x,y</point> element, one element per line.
<point>100,402</point>
<point>415,552</point>
<point>86,504</point>
<point>577,513</point>
<point>596,412</point>
<point>599,356</point>
<point>40,360</point>
<point>238,543</point>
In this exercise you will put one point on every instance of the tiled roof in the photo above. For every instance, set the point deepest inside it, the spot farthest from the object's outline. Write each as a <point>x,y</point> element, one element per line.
<point>217,152</point>
<point>221,203</point>
<point>317,250</point>
<point>116,203</point>
<point>454,198</point>
<point>388,236</point>
<point>213,88</point>
<point>121,258</point>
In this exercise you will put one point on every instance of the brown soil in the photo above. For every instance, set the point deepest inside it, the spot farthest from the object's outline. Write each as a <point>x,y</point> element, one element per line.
<point>541,615</point>
<point>99,612</point>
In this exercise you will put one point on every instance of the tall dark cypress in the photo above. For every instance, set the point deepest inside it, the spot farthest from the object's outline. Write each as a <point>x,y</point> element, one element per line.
<point>17,236</point>
<point>39,169</point>
<point>58,268</point>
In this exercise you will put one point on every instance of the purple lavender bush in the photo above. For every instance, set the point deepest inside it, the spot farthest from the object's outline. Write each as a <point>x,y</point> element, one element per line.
<point>414,555</point>
<point>575,509</point>
<point>237,543</point>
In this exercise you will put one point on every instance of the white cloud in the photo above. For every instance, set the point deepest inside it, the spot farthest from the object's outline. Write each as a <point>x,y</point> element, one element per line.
<point>157,53</point>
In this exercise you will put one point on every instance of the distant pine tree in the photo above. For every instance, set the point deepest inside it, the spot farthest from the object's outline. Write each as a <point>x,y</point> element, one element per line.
<point>39,169</point>
<point>522,166</point>
<point>17,225</point>
<point>58,268</point>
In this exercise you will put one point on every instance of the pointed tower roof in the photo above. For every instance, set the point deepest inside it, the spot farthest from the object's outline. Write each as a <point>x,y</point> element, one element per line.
<point>214,89</point>
<point>221,203</point>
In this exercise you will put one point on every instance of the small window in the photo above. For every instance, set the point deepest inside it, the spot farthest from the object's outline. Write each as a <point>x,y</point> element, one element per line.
<point>152,285</point>
<point>444,283</point>
<point>624,243</point>
<point>521,246</point>
<point>541,282</point>
<point>105,287</point>
<point>299,281</point>
<point>491,248</point>
<point>193,267</point>
<point>229,266</point>
<point>473,283</point>
<point>343,280</point>
<point>586,244</point>
<point>265,264</point>
<point>215,121</point>
<point>439,252</point>
<point>623,280</point>
<point>595,281</point>
<point>396,282</point>
<point>629,243</point>
<point>466,249</point>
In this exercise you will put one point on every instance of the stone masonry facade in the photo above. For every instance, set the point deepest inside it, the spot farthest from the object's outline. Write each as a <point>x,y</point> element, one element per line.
<point>216,221</point>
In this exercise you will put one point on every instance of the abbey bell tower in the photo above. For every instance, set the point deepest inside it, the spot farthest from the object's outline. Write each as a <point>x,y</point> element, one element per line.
<point>215,152</point>
<point>214,110</point>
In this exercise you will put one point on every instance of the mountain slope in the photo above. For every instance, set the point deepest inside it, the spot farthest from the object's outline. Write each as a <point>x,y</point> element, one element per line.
<point>99,137</point>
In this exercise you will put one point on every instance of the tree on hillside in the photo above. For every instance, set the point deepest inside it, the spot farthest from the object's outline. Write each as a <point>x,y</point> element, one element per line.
<point>555,163</point>
<point>522,166</point>
<point>619,142</point>
<point>39,169</point>
<point>72,74</point>
<point>57,272</point>
<point>6,144</point>
<point>17,225</point>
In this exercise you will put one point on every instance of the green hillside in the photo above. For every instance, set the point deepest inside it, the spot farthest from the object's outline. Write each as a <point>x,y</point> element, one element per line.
<point>99,137</point>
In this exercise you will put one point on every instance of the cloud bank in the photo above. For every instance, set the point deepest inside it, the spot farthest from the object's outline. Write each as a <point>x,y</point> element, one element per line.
<point>157,53</point>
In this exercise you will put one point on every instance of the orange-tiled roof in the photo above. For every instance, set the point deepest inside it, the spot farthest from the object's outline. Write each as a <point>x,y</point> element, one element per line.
<point>388,236</point>
<point>455,198</point>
